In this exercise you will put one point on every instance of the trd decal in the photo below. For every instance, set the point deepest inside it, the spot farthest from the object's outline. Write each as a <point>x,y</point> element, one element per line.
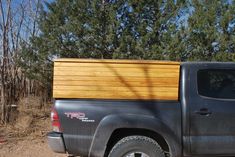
<point>78,115</point>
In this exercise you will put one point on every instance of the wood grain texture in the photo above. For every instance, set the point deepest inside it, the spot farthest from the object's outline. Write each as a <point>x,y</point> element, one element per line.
<point>116,79</point>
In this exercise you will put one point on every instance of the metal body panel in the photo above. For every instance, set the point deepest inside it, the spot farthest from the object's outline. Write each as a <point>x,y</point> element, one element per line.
<point>56,142</point>
<point>212,134</point>
<point>84,138</point>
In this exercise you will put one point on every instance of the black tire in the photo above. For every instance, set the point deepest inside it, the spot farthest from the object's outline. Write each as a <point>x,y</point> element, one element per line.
<point>131,144</point>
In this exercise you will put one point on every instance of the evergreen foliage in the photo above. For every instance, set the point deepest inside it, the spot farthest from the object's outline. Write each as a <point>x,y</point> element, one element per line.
<point>131,29</point>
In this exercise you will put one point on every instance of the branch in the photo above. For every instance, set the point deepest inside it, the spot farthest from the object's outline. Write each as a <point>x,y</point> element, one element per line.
<point>2,13</point>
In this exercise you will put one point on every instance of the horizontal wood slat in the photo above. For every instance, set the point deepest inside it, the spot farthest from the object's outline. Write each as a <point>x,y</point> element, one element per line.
<point>115,61</point>
<point>144,83</point>
<point>114,65</point>
<point>116,79</point>
<point>116,70</point>
<point>113,78</point>
<point>115,95</point>
<point>121,89</point>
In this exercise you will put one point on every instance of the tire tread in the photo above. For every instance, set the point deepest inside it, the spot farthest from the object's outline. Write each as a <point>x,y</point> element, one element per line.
<point>137,138</point>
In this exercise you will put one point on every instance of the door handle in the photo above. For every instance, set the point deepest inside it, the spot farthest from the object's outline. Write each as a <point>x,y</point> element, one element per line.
<point>203,112</point>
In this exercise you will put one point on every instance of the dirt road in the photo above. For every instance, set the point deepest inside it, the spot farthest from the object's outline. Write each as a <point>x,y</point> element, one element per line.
<point>27,148</point>
<point>26,138</point>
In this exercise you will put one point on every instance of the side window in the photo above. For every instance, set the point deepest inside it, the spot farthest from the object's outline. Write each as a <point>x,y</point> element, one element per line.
<point>216,83</point>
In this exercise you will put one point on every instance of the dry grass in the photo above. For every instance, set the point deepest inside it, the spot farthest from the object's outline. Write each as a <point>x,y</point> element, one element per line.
<point>26,136</point>
<point>32,120</point>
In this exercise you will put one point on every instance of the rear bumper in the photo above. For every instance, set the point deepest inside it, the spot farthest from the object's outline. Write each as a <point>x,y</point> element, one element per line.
<point>56,142</point>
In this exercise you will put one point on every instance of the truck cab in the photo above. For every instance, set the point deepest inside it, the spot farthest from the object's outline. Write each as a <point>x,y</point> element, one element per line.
<point>208,108</point>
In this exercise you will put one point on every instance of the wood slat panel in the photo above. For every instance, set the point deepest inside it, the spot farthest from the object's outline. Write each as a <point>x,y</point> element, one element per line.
<point>116,79</point>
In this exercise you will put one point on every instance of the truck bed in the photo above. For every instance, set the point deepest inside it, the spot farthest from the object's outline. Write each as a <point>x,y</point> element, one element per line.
<point>85,120</point>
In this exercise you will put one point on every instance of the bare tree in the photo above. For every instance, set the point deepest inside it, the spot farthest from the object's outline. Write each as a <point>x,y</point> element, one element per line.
<point>18,23</point>
<point>5,10</point>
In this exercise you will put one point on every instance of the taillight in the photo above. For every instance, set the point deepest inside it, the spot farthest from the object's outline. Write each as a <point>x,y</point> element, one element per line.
<point>55,121</point>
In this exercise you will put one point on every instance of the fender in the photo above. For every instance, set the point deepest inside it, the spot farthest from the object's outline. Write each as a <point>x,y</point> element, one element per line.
<point>112,122</point>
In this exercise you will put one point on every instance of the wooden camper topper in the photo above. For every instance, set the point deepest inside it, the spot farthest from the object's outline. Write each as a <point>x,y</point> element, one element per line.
<point>116,79</point>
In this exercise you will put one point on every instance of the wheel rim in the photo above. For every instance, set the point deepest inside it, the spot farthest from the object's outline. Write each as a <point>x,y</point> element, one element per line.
<point>136,154</point>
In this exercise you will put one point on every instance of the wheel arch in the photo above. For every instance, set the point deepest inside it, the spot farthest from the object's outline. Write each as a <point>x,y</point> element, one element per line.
<point>120,133</point>
<point>149,125</point>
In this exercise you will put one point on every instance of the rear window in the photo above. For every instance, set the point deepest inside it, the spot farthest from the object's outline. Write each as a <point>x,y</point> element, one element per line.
<point>216,83</point>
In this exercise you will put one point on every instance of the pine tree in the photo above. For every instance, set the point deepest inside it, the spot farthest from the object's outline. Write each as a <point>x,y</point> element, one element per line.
<point>226,39</point>
<point>209,36</point>
<point>143,25</point>
<point>130,29</point>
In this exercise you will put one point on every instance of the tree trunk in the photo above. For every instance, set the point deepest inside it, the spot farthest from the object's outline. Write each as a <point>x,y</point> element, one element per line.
<point>3,77</point>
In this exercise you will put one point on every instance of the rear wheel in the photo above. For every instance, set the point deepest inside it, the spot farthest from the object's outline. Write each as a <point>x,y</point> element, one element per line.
<point>136,146</point>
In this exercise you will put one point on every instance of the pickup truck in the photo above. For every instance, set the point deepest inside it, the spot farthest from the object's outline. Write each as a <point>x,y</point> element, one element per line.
<point>194,116</point>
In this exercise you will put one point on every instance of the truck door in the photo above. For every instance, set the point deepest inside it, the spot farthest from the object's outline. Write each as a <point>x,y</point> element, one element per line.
<point>212,109</point>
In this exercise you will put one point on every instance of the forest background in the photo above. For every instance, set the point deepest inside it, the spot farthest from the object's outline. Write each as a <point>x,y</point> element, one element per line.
<point>35,32</point>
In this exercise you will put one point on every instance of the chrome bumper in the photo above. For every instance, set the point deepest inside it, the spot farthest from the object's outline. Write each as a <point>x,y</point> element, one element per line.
<point>56,142</point>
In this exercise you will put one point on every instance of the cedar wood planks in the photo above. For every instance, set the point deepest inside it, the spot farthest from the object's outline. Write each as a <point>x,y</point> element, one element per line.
<point>116,79</point>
